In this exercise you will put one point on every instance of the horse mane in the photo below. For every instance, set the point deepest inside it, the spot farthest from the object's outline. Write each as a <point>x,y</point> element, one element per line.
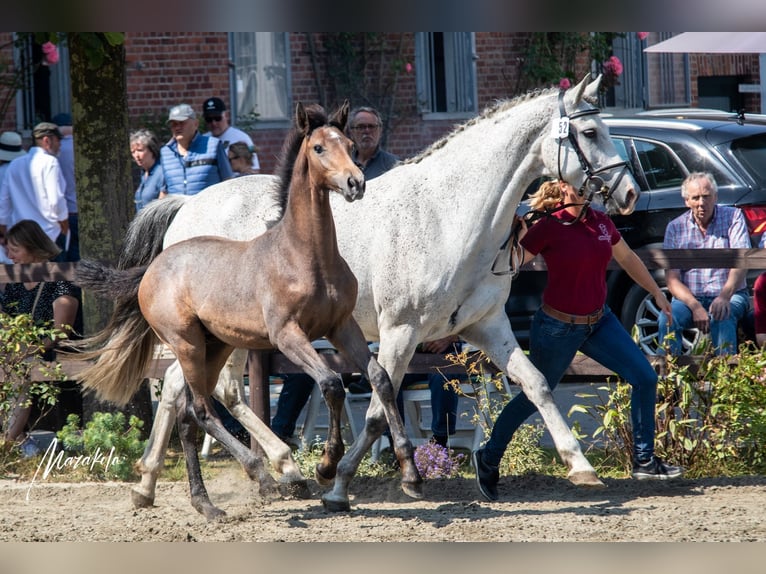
<point>490,111</point>
<point>291,148</point>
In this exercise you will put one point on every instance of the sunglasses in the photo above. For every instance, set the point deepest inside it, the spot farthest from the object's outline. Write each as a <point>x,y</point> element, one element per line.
<point>210,119</point>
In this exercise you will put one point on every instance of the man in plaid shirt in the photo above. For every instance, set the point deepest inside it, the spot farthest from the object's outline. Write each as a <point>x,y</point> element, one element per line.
<point>711,300</point>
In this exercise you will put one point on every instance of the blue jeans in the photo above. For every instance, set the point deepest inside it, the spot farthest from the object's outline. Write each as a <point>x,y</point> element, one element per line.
<point>553,345</point>
<point>295,393</point>
<point>443,403</point>
<point>723,334</point>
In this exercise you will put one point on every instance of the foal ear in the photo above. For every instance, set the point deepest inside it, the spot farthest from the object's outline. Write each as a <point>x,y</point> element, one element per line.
<point>301,118</point>
<point>340,116</point>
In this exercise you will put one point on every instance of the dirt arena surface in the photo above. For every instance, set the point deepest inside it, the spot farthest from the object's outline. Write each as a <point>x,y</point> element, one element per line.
<point>531,509</point>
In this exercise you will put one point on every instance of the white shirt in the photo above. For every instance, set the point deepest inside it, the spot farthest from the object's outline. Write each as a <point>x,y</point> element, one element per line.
<point>33,188</point>
<point>232,135</point>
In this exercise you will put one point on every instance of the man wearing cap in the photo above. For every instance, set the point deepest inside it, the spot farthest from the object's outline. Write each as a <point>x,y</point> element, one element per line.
<point>66,161</point>
<point>191,161</point>
<point>33,187</point>
<point>217,120</point>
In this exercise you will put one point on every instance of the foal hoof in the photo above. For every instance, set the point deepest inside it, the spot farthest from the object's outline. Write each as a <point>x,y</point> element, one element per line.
<point>335,504</point>
<point>322,479</point>
<point>141,500</point>
<point>413,489</point>
<point>585,478</point>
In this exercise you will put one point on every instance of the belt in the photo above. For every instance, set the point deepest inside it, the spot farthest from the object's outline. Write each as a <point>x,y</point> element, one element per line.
<point>591,319</point>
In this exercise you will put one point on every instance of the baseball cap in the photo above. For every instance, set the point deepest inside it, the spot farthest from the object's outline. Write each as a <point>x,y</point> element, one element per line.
<point>181,112</point>
<point>46,129</point>
<point>213,106</point>
<point>10,146</point>
<point>62,119</point>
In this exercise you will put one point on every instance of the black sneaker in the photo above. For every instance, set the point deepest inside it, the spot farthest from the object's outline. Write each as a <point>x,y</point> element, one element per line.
<point>656,469</point>
<point>360,387</point>
<point>487,476</point>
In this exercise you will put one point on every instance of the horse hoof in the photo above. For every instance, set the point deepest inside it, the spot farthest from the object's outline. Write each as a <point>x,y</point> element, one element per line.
<point>585,478</point>
<point>141,500</point>
<point>322,479</point>
<point>413,489</point>
<point>210,512</point>
<point>296,489</point>
<point>335,504</point>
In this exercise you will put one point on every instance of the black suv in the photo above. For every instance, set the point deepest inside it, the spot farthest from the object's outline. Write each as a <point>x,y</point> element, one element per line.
<point>663,147</point>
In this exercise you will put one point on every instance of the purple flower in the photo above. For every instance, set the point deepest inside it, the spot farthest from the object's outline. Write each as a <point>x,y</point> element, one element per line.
<point>434,461</point>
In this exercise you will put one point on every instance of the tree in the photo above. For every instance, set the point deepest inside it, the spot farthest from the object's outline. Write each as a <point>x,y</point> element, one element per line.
<point>102,169</point>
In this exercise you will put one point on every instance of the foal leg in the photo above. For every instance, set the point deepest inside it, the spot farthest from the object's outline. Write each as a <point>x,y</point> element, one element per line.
<point>349,339</point>
<point>295,345</point>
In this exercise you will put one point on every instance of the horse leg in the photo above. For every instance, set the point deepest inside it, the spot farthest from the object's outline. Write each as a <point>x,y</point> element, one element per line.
<point>495,338</point>
<point>294,343</point>
<point>187,431</point>
<point>349,339</point>
<point>229,392</point>
<point>150,464</point>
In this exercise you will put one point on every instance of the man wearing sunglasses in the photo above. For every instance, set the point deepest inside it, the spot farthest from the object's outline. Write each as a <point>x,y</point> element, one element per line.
<point>217,121</point>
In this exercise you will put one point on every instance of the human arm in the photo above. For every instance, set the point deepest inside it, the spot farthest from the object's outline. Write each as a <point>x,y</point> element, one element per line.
<point>633,266</point>
<point>64,315</point>
<point>439,345</point>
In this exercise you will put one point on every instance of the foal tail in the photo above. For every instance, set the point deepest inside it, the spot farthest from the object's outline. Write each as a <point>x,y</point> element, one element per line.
<point>124,348</point>
<point>146,232</point>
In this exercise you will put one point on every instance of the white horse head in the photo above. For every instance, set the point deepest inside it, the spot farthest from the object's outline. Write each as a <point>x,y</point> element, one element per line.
<point>580,151</point>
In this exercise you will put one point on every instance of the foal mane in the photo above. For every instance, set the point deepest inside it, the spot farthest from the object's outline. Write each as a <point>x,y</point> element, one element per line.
<point>490,111</point>
<point>291,147</point>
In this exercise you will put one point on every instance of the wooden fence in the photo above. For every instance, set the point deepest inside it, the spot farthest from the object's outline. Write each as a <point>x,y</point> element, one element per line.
<point>263,364</point>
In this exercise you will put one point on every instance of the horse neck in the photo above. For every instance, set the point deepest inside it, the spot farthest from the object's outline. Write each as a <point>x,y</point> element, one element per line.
<point>308,214</point>
<point>506,158</point>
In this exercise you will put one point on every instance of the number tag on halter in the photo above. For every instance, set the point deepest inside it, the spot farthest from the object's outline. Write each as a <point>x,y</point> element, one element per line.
<point>561,128</point>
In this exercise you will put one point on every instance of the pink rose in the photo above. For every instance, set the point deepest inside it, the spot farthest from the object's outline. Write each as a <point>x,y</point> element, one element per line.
<point>565,84</point>
<point>613,66</point>
<point>50,53</point>
<point>408,67</point>
<point>642,35</point>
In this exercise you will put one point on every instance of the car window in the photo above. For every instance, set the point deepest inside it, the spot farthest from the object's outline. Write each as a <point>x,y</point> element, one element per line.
<point>659,164</point>
<point>751,153</point>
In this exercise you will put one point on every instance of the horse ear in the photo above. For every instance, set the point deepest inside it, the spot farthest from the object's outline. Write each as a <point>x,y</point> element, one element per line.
<point>591,92</point>
<point>301,118</point>
<point>578,90</point>
<point>340,116</point>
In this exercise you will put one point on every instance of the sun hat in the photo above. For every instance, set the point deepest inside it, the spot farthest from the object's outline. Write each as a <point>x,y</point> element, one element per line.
<point>10,146</point>
<point>181,112</point>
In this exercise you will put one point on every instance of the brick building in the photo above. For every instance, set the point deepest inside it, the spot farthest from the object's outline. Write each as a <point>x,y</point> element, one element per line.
<point>424,83</point>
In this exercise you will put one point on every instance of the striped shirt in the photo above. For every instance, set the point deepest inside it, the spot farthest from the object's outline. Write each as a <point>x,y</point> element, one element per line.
<point>727,229</point>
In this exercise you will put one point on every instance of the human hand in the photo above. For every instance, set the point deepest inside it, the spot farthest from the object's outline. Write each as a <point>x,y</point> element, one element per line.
<point>701,319</point>
<point>720,308</point>
<point>664,305</point>
<point>438,345</point>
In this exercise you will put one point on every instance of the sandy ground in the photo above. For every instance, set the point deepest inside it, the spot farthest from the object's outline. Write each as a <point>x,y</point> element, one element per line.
<point>532,508</point>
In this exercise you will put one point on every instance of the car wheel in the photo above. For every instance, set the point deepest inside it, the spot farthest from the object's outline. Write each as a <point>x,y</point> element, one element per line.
<point>640,310</point>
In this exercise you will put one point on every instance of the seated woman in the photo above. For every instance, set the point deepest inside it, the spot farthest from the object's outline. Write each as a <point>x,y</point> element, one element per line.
<point>49,301</point>
<point>241,159</point>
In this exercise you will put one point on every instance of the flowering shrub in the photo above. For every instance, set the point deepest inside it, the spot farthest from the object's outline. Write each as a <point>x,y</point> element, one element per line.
<point>50,54</point>
<point>435,461</point>
<point>565,84</point>
<point>642,35</point>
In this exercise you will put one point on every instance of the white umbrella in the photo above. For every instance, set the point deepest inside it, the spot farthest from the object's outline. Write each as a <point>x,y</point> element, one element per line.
<point>713,43</point>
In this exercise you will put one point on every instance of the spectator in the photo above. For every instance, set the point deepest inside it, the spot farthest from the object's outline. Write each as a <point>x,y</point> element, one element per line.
<point>759,302</point>
<point>50,301</point>
<point>241,159</point>
<point>365,127</point>
<point>10,149</point>
<point>71,246</point>
<point>191,161</point>
<point>711,300</point>
<point>34,187</point>
<point>217,120</point>
<point>577,243</point>
<point>145,149</point>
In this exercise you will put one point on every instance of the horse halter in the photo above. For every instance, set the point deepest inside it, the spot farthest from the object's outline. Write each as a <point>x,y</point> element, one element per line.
<point>593,182</point>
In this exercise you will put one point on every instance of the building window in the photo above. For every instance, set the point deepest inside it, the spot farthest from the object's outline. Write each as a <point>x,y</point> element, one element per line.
<point>446,73</point>
<point>260,78</point>
<point>667,76</point>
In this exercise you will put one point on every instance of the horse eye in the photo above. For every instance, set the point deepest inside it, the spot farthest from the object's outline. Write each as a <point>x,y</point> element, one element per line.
<point>590,134</point>
<point>318,148</point>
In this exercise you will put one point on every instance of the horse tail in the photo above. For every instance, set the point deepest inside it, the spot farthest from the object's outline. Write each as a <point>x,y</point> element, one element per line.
<point>146,232</point>
<point>124,348</point>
